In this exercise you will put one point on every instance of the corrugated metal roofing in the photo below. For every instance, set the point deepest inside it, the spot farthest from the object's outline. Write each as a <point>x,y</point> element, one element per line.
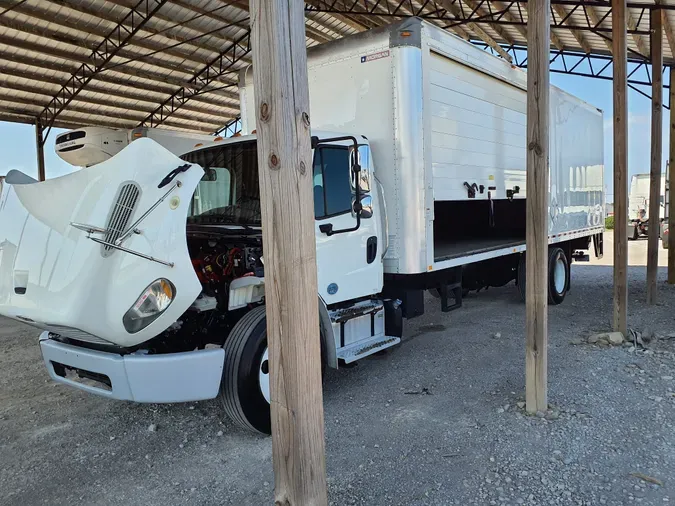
<point>170,73</point>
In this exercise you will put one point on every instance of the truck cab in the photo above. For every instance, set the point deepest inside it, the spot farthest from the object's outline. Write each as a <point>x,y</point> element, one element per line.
<point>146,272</point>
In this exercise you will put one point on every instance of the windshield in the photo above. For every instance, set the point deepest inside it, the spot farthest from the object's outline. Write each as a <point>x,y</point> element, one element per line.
<point>229,192</point>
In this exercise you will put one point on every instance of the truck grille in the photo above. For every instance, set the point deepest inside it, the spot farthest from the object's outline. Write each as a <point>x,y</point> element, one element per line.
<point>125,204</point>
<point>76,334</point>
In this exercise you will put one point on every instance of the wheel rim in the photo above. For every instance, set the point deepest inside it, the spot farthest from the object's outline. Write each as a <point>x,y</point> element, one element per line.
<point>559,277</point>
<point>264,376</point>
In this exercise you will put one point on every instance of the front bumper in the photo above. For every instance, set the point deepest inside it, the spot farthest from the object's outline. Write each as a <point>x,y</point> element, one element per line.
<point>171,377</point>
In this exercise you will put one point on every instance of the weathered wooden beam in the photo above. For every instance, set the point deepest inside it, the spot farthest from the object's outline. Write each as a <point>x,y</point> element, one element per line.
<point>578,36</point>
<point>455,10</point>
<point>281,92</point>
<point>536,236</point>
<point>656,45</point>
<point>671,186</point>
<point>620,54</point>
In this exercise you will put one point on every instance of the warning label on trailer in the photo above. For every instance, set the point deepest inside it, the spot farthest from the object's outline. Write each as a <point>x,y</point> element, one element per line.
<point>374,56</point>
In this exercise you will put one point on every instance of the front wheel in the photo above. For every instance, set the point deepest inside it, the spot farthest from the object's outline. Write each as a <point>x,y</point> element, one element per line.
<point>245,387</point>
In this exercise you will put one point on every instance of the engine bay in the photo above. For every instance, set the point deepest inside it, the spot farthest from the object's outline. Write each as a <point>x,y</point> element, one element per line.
<point>226,264</point>
<point>217,262</point>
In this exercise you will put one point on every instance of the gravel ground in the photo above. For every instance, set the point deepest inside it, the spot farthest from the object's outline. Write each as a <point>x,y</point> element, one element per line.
<point>435,421</point>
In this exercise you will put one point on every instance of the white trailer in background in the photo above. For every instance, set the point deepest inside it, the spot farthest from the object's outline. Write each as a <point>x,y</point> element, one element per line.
<point>87,146</point>
<point>638,205</point>
<point>146,272</point>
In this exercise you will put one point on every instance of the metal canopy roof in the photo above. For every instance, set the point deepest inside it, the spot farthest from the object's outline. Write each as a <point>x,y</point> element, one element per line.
<point>174,63</point>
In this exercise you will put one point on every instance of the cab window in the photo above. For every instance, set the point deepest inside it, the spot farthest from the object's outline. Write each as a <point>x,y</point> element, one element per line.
<point>332,191</point>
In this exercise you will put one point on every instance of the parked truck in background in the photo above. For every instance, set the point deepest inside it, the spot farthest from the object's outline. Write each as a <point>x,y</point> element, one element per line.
<point>638,206</point>
<point>146,272</point>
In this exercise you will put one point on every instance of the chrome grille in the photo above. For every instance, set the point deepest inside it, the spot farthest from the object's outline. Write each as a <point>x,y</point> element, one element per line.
<point>72,333</point>
<point>125,204</point>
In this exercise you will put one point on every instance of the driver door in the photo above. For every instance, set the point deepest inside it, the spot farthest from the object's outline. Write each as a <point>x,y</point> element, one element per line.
<point>349,264</point>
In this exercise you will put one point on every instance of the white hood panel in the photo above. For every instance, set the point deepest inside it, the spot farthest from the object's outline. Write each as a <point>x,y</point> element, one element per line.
<point>66,278</point>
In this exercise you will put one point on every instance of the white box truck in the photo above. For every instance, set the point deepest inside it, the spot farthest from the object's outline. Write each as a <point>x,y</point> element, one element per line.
<point>146,272</point>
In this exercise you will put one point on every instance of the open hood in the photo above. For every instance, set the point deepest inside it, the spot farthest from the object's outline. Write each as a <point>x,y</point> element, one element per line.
<point>68,265</point>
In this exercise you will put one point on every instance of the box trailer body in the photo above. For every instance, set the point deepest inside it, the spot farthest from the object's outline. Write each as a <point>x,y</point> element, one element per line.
<point>87,146</point>
<point>441,114</point>
<point>146,272</point>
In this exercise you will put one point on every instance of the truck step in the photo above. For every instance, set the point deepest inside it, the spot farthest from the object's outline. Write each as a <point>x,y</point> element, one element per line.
<point>355,310</point>
<point>361,349</point>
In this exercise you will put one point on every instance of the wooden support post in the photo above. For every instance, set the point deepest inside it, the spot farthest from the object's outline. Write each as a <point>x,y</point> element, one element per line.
<point>291,295</point>
<point>620,167</point>
<point>536,298</point>
<point>40,147</point>
<point>656,156</point>
<point>671,199</point>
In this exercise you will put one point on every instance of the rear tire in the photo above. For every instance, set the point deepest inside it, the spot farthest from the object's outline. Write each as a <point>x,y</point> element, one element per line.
<point>241,393</point>
<point>558,275</point>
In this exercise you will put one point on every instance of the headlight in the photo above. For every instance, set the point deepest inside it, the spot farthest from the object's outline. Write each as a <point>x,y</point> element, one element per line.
<point>149,306</point>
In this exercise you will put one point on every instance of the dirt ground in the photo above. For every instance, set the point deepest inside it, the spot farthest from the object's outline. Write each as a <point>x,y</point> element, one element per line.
<point>435,421</point>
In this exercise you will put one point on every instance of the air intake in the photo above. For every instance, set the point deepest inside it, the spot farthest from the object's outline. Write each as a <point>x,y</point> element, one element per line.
<point>125,205</point>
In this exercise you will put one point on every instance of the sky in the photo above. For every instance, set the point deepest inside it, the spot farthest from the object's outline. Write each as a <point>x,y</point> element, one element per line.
<point>17,141</point>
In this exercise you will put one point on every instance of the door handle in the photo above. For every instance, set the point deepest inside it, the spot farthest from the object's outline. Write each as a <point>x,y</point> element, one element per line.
<point>371,249</point>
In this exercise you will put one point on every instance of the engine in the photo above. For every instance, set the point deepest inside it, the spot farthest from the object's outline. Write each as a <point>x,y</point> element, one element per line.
<point>218,264</point>
<point>231,273</point>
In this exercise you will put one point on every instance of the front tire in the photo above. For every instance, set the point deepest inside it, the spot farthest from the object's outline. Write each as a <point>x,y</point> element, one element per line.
<point>243,388</point>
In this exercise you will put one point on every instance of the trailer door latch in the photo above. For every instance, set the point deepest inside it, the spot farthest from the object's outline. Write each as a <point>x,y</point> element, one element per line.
<point>511,193</point>
<point>471,189</point>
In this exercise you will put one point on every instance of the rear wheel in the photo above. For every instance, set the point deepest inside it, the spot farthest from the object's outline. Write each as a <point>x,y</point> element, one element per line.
<point>558,276</point>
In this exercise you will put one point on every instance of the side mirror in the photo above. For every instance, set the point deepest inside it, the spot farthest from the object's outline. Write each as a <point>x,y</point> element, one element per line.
<point>364,172</point>
<point>366,207</point>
